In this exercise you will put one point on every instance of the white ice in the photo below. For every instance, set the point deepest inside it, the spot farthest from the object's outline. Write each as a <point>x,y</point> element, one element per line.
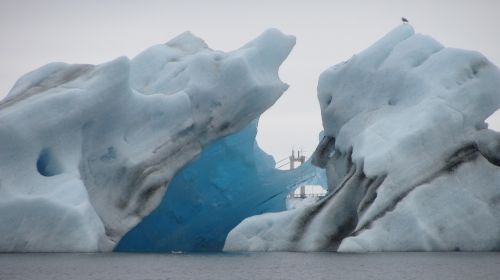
<point>86,151</point>
<point>411,164</point>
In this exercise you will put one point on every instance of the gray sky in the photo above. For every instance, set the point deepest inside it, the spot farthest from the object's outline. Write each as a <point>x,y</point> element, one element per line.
<point>34,32</point>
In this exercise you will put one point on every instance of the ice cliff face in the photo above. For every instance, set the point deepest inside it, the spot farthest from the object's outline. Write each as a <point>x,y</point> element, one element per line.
<point>87,151</point>
<point>410,162</point>
<point>231,180</point>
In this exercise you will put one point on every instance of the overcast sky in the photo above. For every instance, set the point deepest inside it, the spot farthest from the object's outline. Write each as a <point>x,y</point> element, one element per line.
<point>34,32</point>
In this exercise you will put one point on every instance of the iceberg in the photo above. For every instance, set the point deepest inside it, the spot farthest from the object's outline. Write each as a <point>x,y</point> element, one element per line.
<point>88,150</point>
<point>231,180</point>
<point>410,162</point>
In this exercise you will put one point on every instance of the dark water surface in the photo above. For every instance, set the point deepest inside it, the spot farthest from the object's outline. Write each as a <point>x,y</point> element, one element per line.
<point>123,266</point>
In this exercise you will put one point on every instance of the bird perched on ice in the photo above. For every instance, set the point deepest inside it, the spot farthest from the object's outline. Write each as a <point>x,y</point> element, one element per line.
<point>404,20</point>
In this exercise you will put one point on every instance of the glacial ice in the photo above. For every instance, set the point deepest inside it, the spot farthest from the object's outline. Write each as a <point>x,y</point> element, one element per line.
<point>410,162</point>
<point>231,180</point>
<point>88,150</point>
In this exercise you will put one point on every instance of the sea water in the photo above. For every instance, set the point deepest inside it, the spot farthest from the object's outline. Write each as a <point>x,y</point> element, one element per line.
<point>220,266</point>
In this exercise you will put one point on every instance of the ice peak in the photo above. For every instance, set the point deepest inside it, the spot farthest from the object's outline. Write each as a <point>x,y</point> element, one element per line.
<point>187,42</point>
<point>273,45</point>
